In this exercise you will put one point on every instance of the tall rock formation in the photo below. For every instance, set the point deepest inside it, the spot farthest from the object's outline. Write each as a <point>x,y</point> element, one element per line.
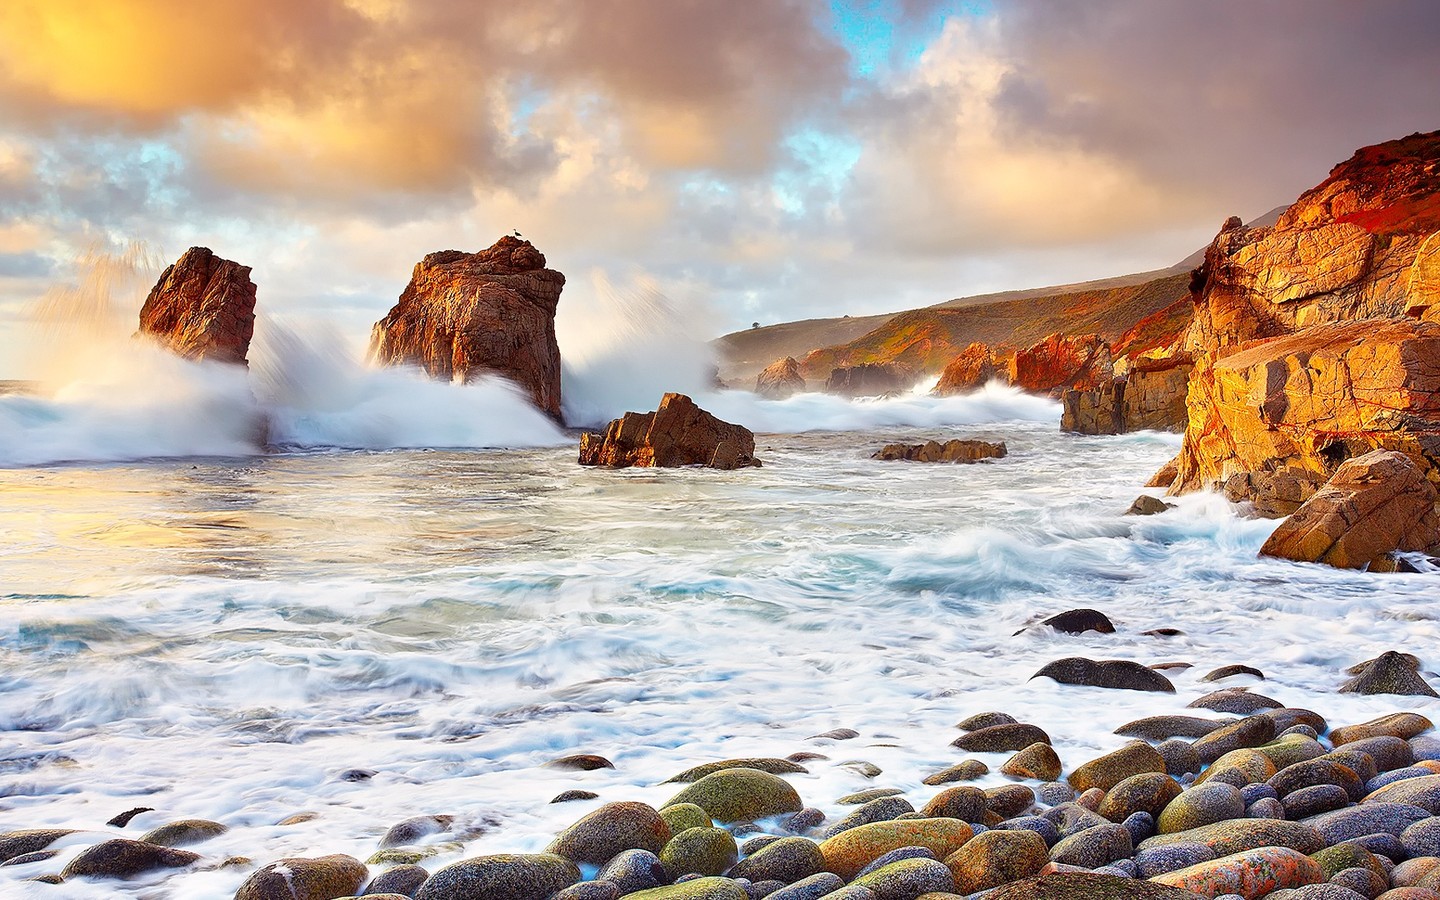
<point>780,379</point>
<point>1149,397</point>
<point>1306,336</point>
<point>869,379</point>
<point>203,307</point>
<point>466,314</point>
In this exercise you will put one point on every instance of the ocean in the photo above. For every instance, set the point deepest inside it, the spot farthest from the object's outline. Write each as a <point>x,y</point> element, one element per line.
<point>420,598</point>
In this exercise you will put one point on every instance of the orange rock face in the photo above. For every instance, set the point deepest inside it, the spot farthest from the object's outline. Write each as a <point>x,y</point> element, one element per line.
<point>1304,403</point>
<point>780,379</point>
<point>971,370</point>
<point>950,451</point>
<point>1371,506</point>
<point>1314,337</point>
<point>203,307</point>
<point>1079,361</point>
<point>679,433</point>
<point>466,314</point>
<point>1252,873</point>
<point>1150,397</point>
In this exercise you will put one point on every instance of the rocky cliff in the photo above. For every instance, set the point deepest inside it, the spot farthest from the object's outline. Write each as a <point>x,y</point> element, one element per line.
<point>1308,334</point>
<point>780,379</point>
<point>467,314</point>
<point>1056,363</point>
<point>203,307</point>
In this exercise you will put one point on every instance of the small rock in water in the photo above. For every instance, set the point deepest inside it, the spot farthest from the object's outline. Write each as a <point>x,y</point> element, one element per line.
<point>1000,738</point>
<point>357,775</point>
<point>965,770</point>
<point>1037,761</point>
<point>611,829</point>
<point>403,834</point>
<point>986,720</point>
<point>788,860</point>
<point>1120,674</point>
<point>403,880</point>
<point>583,762</point>
<point>184,833</point>
<point>771,766</point>
<point>804,820</point>
<point>1079,621</point>
<point>1235,669</point>
<point>950,451</point>
<point>1390,673</point>
<point>837,734</point>
<point>881,810</point>
<point>866,796</point>
<point>1146,505</point>
<point>634,870</point>
<point>121,858</point>
<point>862,767</point>
<point>513,876</point>
<point>1236,701</point>
<point>740,795</point>
<point>965,803</point>
<point>569,796</point>
<point>124,818</point>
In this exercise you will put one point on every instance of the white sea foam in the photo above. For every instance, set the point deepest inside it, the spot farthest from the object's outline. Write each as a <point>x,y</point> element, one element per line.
<point>225,640</point>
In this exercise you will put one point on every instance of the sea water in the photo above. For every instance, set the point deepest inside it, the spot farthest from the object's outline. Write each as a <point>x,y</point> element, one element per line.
<point>420,599</point>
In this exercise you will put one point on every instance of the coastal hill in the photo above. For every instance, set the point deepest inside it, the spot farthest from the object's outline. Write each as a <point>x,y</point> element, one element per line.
<point>1136,312</point>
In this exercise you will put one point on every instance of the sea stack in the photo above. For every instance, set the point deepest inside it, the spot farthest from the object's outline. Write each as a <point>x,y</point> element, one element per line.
<point>467,314</point>
<point>203,308</point>
<point>678,433</point>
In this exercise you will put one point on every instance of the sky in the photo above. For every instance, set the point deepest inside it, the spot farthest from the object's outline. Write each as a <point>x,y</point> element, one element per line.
<point>754,160</point>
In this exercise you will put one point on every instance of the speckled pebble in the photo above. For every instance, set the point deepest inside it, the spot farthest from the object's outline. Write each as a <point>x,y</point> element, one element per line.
<point>1041,826</point>
<point>1313,800</point>
<point>812,888</point>
<point>1154,861</point>
<point>1364,882</point>
<point>1053,793</point>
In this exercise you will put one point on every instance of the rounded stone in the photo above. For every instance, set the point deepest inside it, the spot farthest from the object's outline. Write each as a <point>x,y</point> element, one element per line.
<point>1149,792</point>
<point>694,889</point>
<point>589,890</point>
<point>1038,761</point>
<point>704,851</point>
<point>849,852</point>
<point>614,827</point>
<point>121,858</point>
<point>1250,873</point>
<point>1370,817</point>
<point>986,720</point>
<point>1312,801</point>
<point>634,870</point>
<point>1009,800</point>
<point>788,859</point>
<point>1085,886</point>
<point>1402,725</point>
<point>504,876</point>
<point>881,810</point>
<point>1423,792</point>
<point>1179,757</point>
<point>1159,728</point>
<point>1362,881</point>
<point>1141,825</point>
<point>1346,856</point>
<point>866,796</point>
<point>1154,861</point>
<point>1041,826</point>
<point>740,795</point>
<point>907,879</point>
<point>1201,805</point>
<point>572,796</point>
<point>896,856</point>
<point>966,803</point>
<point>19,843</point>
<point>1000,738</point>
<point>1053,793</point>
<point>1316,772</point>
<point>681,816</point>
<point>1109,770</point>
<point>1238,835</point>
<point>404,880</point>
<point>821,884</point>
<point>184,833</point>
<point>1265,808</point>
<point>1093,847</point>
<point>759,764</point>
<point>1235,701</point>
<point>307,879</point>
<point>1422,838</point>
<point>995,858</point>
<point>965,770</point>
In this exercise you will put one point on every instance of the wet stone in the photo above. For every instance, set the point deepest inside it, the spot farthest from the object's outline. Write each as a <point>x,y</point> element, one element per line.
<point>804,820</point>
<point>1000,738</point>
<point>1251,731</point>
<point>1038,761</point>
<point>403,834</point>
<point>1141,825</point>
<point>1054,793</point>
<point>966,803</point>
<point>965,770</point>
<point>1172,858</point>
<point>1179,757</point>
<point>986,720</point>
<point>1231,670</point>
<point>1115,674</point>
<point>881,810</point>
<point>121,858</point>
<point>1109,770</point>
<point>1047,830</point>
<point>787,860</point>
<point>1150,792</point>
<point>1093,847</point>
<point>1314,800</point>
<point>612,828</point>
<point>403,880</point>
<point>1009,800</point>
<point>505,876</point>
<point>634,870</point>
<point>813,888</point>
<point>581,762</point>
<point>762,764</point>
<point>571,796</point>
<point>1236,702</point>
<point>866,796</point>
<point>1367,818</point>
<point>704,851</point>
<point>1159,728</point>
<point>18,843</point>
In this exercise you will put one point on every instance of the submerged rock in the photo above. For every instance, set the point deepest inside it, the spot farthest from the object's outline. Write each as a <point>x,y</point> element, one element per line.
<point>1389,673</point>
<point>869,379</point>
<point>679,433</point>
<point>1119,674</point>
<point>305,879</point>
<point>121,858</point>
<point>950,451</point>
<point>203,307</point>
<point>467,314</point>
